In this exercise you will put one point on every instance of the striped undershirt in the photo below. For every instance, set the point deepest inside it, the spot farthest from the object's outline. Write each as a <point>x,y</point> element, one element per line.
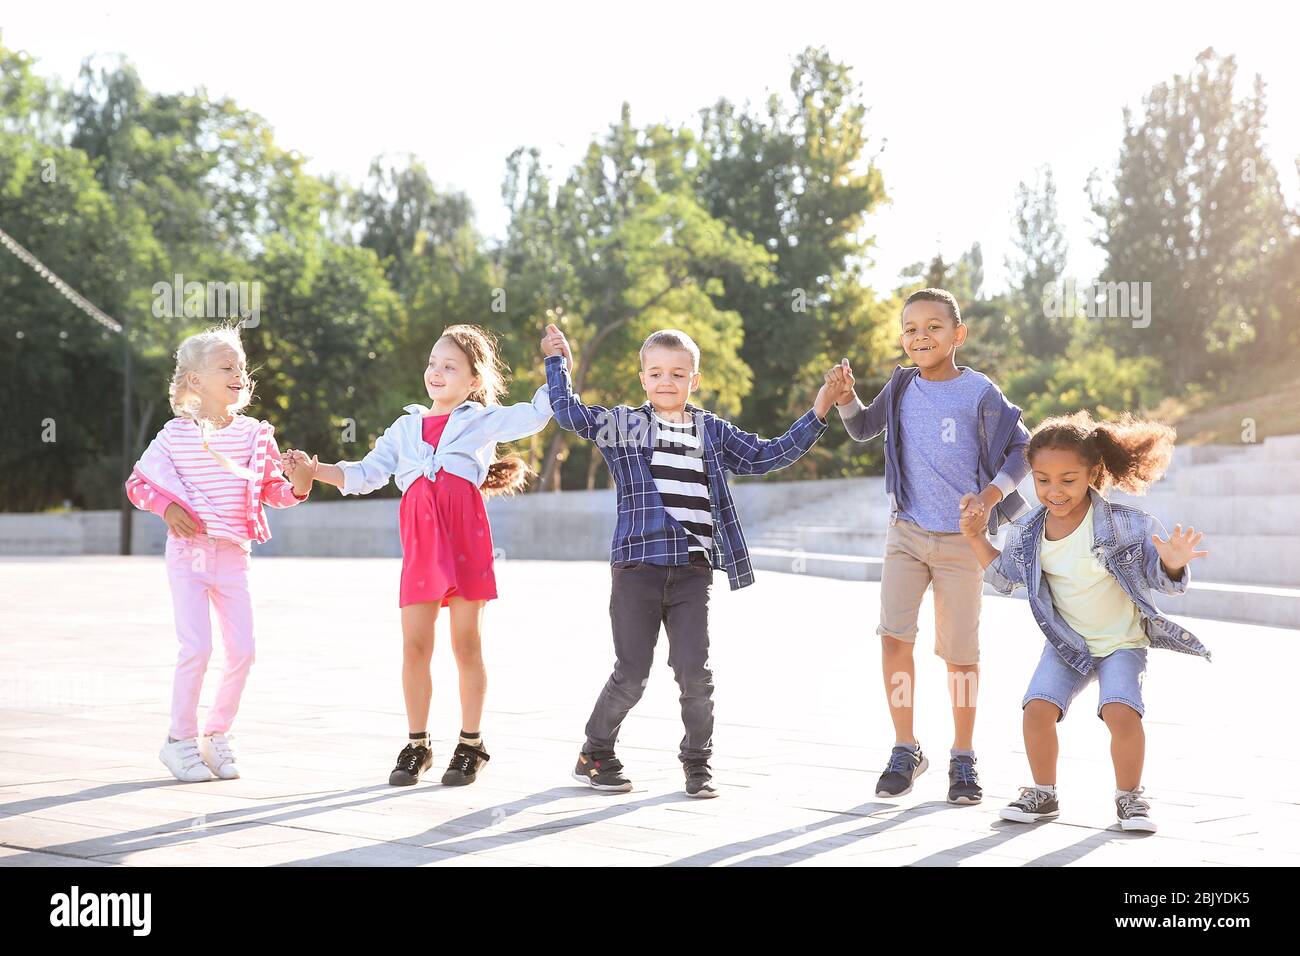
<point>218,496</point>
<point>677,466</point>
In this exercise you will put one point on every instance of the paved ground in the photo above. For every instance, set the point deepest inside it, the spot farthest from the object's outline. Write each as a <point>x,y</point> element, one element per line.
<point>85,669</point>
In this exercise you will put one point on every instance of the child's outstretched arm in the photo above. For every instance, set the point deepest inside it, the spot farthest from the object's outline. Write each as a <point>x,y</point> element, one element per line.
<point>1165,562</point>
<point>862,422</point>
<point>513,422</point>
<point>570,413</point>
<point>283,483</point>
<point>744,453</point>
<point>998,570</point>
<point>353,477</point>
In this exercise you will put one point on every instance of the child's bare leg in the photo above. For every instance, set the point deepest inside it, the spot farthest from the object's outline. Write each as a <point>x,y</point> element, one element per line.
<point>417,651</point>
<point>900,678</point>
<point>963,689</point>
<point>1127,743</point>
<point>1041,745</point>
<point>466,644</point>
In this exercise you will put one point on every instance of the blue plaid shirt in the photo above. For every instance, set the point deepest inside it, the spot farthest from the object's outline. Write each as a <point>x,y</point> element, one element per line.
<point>626,438</point>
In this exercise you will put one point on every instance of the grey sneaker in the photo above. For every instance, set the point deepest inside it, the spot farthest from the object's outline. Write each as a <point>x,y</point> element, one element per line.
<point>904,767</point>
<point>1032,806</point>
<point>963,781</point>
<point>1134,811</point>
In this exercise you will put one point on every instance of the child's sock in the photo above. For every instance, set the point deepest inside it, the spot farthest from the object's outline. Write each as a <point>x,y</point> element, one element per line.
<point>420,739</point>
<point>471,740</point>
<point>912,747</point>
<point>1047,788</point>
<point>1119,793</point>
<point>962,753</point>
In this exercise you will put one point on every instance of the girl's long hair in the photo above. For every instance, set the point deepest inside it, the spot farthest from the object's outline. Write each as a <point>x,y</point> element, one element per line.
<point>505,476</point>
<point>193,356</point>
<point>1132,453</point>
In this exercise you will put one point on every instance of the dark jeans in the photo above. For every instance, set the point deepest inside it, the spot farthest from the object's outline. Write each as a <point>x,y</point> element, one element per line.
<point>643,597</point>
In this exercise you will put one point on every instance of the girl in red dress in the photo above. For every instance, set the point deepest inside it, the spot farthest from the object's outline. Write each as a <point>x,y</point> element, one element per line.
<point>444,460</point>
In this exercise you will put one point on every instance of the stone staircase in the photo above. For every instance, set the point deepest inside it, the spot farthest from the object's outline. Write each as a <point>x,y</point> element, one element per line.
<point>1245,498</point>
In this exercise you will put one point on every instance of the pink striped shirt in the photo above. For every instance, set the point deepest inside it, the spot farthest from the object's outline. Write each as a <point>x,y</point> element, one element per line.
<point>216,494</point>
<point>225,504</point>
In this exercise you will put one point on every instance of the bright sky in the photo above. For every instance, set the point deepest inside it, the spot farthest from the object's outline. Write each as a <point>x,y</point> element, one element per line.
<point>963,113</point>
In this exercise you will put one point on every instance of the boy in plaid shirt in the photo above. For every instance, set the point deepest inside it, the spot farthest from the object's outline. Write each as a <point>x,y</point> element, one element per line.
<point>676,523</point>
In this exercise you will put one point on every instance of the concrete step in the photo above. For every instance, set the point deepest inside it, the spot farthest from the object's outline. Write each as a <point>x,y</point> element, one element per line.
<point>849,567</point>
<point>1244,603</point>
<point>1214,514</point>
<point>829,540</point>
<point>1271,560</point>
<point>1236,478</point>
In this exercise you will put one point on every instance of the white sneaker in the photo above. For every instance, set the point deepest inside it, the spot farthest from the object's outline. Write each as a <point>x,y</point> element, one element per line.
<point>182,758</point>
<point>216,753</point>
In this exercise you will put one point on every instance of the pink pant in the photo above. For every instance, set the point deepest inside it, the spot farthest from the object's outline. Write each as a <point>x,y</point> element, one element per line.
<point>202,570</point>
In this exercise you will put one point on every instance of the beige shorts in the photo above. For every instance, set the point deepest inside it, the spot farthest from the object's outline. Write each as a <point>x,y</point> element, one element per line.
<point>914,558</point>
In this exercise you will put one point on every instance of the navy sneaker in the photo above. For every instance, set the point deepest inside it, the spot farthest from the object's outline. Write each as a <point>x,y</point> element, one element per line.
<point>904,767</point>
<point>1032,806</point>
<point>601,770</point>
<point>963,781</point>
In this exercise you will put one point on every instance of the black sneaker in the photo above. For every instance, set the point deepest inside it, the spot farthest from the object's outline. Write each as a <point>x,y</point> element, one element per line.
<point>699,780</point>
<point>466,762</point>
<point>1134,812</point>
<point>963,781</point>
<point>414,760</point>
<point>1032,806</point>
<point>904,767</point>
<point>602,770</point>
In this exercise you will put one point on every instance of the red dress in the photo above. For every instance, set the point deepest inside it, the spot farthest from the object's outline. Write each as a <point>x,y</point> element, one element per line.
<point>446,540</point>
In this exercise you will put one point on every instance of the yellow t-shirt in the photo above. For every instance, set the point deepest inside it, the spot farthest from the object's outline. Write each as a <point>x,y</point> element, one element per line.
<point>1085,594</point>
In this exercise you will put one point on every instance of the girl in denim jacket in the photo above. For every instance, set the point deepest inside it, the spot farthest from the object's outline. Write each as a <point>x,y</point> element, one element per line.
<point>1091,568</point>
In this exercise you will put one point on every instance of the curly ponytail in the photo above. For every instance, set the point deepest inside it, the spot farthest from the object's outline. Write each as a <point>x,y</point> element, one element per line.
<point>1130,453</point>
<point>506,476</point>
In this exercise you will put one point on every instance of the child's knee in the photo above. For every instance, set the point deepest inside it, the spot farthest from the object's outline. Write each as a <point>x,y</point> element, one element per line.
<point>194,655</point>
<point>417,646</point>
<point>896,646</point>
<point>1041,712</point>
<point>1120,716</point>
<point>468,653</point>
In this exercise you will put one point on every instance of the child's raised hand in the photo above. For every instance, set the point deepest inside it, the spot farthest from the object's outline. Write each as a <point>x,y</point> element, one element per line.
<point>554,343</point>
<point>179,521</point>
<point>840,378</point>
<point>1179,549</point>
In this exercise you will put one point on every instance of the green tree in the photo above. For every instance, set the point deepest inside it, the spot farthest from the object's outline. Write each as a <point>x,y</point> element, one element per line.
<point>1195,209</point>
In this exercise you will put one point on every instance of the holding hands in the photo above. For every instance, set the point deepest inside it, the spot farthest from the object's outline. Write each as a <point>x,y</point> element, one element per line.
<point>554,343</point>
<point>840,382</point>
<point>300,470</point>
<point>974,518</point>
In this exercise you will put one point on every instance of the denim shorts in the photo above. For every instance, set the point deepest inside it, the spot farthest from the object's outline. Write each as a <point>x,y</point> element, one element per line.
<point>1120,675</point>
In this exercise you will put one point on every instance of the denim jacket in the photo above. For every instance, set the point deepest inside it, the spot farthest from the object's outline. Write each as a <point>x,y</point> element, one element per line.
<point>1122,543</point>
<point>1002,441</point>
<point>466,448</point>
